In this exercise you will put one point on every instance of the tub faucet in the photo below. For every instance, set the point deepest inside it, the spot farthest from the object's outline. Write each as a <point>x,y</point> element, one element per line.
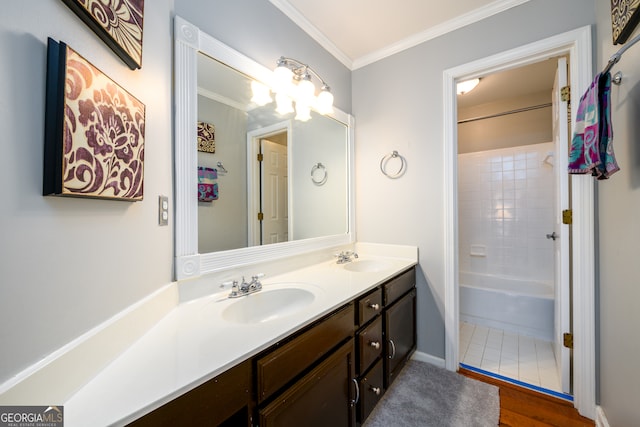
<point>345,257</point>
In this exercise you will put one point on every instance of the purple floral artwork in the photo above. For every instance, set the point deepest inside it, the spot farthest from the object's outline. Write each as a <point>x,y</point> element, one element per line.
<point>103,135</point>
<point>117,22</point>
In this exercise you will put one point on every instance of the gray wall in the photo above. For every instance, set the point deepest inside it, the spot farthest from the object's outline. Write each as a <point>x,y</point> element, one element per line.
<point>69,264</point>
<point>397,103</point>
<point>619,235</point>
<point>260,31</point>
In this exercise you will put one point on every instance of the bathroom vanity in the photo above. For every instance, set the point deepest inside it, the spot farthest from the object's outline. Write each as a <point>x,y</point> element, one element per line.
<point>330,373</point>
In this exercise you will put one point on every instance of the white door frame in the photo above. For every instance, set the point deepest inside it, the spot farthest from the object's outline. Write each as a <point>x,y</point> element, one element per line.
<point>577,44</point>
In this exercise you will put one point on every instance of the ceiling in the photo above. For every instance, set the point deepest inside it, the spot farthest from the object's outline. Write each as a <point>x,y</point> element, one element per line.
<point>359,32</point>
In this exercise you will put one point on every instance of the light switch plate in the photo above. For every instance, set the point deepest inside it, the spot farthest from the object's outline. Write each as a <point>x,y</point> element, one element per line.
<point>163,210</point>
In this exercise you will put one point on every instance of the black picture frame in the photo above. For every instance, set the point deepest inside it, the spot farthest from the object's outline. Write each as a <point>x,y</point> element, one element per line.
<point>625,15</point>
<point>94,131</point>
<point>125,39</point>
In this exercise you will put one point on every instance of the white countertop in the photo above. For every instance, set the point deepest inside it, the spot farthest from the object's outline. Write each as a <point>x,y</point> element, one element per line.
<point>194,343</point>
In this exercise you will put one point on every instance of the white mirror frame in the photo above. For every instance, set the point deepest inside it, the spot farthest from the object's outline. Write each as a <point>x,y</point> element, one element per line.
<point>188,41</point>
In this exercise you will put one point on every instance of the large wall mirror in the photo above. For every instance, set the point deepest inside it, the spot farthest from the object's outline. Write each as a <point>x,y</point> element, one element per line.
<point>275,186</point>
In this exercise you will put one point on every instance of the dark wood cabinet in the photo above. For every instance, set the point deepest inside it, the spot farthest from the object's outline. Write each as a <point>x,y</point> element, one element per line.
<point>330,373</point>
<point>223,400</point>
<point>400,334</point>
<point>323,397</point>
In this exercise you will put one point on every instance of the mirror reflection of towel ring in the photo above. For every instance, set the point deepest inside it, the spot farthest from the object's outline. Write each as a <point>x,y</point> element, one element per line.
<point>319,174</point>
<point>385,161</point>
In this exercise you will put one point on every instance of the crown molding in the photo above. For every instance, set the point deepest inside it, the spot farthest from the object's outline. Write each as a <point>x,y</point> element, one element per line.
<point>471,17</point>
<point>299,19</point>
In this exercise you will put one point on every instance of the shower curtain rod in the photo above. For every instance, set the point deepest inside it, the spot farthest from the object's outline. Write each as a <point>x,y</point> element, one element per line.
<point>505,113</point>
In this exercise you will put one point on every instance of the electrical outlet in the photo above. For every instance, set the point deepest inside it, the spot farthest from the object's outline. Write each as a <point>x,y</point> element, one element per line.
<point>163,210</point>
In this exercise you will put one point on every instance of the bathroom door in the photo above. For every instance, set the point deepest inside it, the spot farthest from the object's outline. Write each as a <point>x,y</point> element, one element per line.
<point>562,231</point>
<point>274,206</point>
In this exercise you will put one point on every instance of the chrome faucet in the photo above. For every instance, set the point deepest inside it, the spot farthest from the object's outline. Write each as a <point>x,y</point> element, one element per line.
<point>245,288</point>
<point>345,257</point>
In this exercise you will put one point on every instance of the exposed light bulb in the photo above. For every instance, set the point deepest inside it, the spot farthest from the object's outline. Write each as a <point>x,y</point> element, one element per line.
<point>466,86</point>
<point>284,104</point>
<point>261,93</point>
<point>303,112</point>
<point>324,101</point>
<point>306,91</point>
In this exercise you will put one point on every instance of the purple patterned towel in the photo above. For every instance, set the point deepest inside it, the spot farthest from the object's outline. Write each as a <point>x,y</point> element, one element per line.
<point>207,188</point>
<point>592,143</point>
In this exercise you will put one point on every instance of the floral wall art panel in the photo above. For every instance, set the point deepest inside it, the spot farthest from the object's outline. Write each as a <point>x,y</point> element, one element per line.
<point>206,137</point>
<point>625,15</point>
<point>117,22</point>
<point>94,131</point>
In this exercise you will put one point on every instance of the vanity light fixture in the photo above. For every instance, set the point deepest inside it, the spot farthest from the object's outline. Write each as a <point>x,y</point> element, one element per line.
<point>467,86</point>
<point>292,82</point>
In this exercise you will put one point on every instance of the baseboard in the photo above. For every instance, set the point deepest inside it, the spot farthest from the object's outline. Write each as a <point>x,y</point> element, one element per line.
<point>424,357</point>
<point>59,375</point>
<point>601,419</point>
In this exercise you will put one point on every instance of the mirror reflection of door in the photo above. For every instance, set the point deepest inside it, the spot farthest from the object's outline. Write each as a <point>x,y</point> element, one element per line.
<point>274,225</point>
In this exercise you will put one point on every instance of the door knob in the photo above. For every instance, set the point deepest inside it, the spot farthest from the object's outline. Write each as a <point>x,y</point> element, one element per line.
<point>552,236</point>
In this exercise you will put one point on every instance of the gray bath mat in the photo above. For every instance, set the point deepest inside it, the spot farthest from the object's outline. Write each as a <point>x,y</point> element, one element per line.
<point>425,395</point>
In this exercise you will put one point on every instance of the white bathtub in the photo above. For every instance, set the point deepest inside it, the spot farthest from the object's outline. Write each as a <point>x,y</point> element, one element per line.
<point>515,305</point>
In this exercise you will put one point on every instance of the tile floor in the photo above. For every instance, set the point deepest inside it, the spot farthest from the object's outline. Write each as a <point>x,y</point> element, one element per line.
<point>522,358</point>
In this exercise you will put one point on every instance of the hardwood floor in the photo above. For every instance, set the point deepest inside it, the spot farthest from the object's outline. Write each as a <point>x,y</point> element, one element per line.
<point>520,407</point>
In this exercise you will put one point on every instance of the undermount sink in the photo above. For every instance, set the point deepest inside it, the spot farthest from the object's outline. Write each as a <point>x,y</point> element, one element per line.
<point>268,305</point>
<point>367,266</point>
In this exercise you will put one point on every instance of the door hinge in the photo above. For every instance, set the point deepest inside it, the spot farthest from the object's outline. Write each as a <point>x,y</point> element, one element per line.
<point>260,157</point>
<point>567,216</point>
<point>567,340</point>
<point>260,216</point>
<point>565,94</point>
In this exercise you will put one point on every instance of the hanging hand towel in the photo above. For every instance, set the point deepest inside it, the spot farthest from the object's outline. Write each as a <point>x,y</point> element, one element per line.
<point>592,143</point>
<point>207,188</point>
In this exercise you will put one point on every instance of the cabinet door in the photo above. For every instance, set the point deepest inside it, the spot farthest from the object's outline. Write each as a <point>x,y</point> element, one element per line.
<point>400,334</point>
<point>326,396</point>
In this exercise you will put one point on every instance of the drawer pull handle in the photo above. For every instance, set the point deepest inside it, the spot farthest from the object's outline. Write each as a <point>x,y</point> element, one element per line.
<point>374,306</point>
<point>375,344</point>
<point>376,390</point>
<point>355,401</point>
<point>393,349</point>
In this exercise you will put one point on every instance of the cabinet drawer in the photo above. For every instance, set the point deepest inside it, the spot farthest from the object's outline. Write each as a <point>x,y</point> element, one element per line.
<point>369,306</point>
<point>371,390</point>
<point>369,344</point>
<point>282,365</point>
<point>398,286</point>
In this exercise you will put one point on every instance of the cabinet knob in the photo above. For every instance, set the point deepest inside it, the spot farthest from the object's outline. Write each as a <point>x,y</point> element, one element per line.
<point>376,390</point>
<point>374,306</point>
<point>375,344</point>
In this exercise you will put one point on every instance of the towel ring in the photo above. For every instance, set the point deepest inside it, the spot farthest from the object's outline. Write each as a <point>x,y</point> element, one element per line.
<point>400,171</point>
<point>319,174</point>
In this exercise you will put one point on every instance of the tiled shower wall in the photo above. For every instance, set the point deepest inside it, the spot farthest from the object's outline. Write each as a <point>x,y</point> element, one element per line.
<point>506,200</point>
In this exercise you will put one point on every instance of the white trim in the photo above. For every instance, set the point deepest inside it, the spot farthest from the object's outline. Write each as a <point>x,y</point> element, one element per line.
<point>424,357</point>
<point>437,31</point>
<point>301,21</point>
<point>601,419</point>
<point>577,44</point>
<point>189,40</point>
<point>475,15</point>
